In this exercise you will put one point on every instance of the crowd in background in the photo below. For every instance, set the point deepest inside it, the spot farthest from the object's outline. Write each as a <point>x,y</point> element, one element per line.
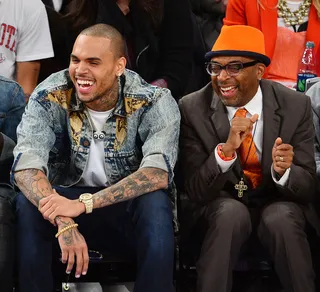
<point>165,43</point>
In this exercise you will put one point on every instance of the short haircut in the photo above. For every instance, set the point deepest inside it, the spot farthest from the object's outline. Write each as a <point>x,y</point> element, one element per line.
<point>109,32</point>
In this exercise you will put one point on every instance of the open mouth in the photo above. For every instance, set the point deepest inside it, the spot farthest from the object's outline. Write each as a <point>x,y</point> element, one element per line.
<point>228,91</point>
<point>84,85</point>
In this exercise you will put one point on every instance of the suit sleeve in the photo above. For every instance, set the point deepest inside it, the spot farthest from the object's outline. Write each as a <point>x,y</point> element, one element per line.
<point>235,13</point>
<point>302,180</point>
<point>202,177</point>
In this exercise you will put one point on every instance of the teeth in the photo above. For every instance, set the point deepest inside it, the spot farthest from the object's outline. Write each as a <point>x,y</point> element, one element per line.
<point>85,82</point>
<point>227,88</point>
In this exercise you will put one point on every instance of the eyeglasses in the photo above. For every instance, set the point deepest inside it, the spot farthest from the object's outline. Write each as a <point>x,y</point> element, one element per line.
<point>232,69</point>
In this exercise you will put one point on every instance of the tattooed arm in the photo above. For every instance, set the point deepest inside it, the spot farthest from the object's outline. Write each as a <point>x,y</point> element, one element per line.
<point>35,185</point>
<point>144,180</point>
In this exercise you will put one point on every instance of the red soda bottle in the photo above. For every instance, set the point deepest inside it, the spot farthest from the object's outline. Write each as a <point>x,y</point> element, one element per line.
<point>307,67</point>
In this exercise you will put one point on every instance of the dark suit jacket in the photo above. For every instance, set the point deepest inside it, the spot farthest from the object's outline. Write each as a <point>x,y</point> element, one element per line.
<point>204,124</point>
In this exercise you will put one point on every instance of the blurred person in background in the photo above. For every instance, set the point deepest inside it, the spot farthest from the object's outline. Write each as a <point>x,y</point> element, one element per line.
<point>158,35</point>
<point>24,41</point>
<point>286,25</point>
<point>11,109</point>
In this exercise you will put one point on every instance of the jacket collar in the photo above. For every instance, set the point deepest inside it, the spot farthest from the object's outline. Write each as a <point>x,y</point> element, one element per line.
<point>129,87</point>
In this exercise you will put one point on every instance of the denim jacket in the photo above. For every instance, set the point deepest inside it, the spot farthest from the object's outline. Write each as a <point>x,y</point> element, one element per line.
<point>55,133</point>
<point>12,104</point>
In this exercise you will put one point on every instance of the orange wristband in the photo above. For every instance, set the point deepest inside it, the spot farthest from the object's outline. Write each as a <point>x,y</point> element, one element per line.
<point>222,155</point>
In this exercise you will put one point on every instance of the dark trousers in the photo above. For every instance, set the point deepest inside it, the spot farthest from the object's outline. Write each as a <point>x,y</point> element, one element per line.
<point>6,239</point>
<point>142,225</point>
<point>280,230</point>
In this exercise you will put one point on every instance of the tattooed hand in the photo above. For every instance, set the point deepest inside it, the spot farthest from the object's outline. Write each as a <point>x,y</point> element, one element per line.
<point>73,247</point>
<point>56,205</point>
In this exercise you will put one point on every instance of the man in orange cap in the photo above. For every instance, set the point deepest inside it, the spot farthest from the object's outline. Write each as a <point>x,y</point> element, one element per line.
<point>248,164</point>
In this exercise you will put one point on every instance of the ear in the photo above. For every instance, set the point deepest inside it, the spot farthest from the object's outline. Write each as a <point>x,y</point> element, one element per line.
<point>120,66</point>
<point>261,68</point>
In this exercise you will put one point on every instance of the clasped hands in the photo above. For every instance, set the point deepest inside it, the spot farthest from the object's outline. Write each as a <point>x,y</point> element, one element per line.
<point>74,249</point>
<point>282,153</point>
<point>56,205</point>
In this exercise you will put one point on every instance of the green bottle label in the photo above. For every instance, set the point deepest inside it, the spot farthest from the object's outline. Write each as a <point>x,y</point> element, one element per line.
<point>301,83</point>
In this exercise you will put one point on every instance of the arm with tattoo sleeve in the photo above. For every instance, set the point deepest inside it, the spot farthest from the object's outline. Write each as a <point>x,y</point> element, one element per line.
<point>35,185</point>
<point>144,180</point>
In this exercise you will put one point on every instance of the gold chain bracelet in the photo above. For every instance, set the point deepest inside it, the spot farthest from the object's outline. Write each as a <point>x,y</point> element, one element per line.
<point>66,228</point>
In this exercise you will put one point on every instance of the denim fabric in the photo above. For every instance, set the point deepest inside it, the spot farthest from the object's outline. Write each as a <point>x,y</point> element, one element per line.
<point>141,227</point>
<point>12,104</point>
<point>55,134</point>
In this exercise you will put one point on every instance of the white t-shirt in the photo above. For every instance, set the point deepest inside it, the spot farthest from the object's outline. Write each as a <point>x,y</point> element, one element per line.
<point>24,34</point>
<point>94,174</point>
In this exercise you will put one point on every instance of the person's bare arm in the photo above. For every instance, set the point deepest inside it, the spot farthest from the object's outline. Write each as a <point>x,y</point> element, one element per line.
<point>143,181</point>
<point>27,76</point>
<point>35,185</point>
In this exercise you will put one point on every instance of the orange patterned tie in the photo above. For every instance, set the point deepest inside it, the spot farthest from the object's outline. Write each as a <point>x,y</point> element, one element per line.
<point>248,156</point>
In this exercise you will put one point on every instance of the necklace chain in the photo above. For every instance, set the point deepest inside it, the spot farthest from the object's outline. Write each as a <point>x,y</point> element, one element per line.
<point>293,17</point>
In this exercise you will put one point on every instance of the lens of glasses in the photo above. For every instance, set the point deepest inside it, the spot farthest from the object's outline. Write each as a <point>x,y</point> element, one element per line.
<point>234,68</point>
<point>213,69</point>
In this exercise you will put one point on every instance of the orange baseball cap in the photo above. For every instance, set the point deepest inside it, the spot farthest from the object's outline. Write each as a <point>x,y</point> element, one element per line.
<point>240,40</point>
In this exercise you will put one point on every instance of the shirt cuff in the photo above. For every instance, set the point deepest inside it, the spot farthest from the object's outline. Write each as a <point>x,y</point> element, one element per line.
<point>155,161</point>
<point>283,180</point>
<point>223,164</point>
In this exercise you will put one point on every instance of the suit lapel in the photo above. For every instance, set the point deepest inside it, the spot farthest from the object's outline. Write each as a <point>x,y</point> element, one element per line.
<point>219,119</point>
<point>272,117</point>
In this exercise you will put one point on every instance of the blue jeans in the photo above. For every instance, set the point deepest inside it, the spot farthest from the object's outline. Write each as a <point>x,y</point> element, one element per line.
<point>142,225</point>
<point>7,229</point>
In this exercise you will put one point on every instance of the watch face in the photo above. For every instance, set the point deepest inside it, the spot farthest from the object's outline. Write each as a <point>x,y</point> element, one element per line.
<point>85,196</point>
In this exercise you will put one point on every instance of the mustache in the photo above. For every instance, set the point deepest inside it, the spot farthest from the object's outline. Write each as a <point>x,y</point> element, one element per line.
<point>222,84</point>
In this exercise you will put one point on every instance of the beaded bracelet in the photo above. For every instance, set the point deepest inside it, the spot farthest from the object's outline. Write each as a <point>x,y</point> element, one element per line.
<point>66,228</point>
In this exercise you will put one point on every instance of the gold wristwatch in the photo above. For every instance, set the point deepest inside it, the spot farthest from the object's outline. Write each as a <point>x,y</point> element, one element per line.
<point>86,199</point>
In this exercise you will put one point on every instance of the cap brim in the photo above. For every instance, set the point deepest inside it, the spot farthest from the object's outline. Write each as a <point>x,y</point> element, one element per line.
<point>263,58</point>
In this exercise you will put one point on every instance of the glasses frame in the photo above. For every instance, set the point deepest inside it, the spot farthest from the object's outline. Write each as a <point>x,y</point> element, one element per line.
<point>225,67</point>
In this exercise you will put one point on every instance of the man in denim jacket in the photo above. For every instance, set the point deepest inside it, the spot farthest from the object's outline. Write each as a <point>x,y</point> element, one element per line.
<point>96,138</point>
<point>11,109</point>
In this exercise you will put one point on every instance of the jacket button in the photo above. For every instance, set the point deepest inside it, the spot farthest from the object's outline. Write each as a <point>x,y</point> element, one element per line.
<point>86,143</point>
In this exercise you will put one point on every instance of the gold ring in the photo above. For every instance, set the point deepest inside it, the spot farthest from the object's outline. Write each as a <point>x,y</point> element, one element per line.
<point>281,158</point>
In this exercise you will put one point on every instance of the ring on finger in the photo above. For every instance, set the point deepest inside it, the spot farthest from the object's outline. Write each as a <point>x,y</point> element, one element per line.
<point>281,158</point>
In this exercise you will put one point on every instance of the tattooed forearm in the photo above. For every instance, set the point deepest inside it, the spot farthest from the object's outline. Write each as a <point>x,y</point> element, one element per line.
<point>143,181</point>
<point>34,184</point>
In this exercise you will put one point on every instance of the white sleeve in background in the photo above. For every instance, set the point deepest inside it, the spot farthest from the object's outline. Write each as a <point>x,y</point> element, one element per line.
<point>224,165</point>
<point>34,41</point>
<point>283,180</point>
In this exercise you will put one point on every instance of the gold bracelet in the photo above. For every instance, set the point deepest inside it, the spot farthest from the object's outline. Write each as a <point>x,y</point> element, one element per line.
<point>66,228</point>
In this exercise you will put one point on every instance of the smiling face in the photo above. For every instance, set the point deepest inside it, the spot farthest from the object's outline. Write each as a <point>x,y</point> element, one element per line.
<point>237,90</point>
<point>94,69</point>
